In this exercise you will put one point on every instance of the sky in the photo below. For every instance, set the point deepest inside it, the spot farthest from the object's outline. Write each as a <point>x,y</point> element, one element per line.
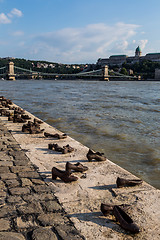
<point>78,31</point>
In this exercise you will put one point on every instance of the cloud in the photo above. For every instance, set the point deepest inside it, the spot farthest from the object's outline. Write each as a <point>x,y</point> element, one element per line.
<point>4,19</point>
<point>83,44</point>
<point>17,33</point>
<point>143,43</point>
<point>15,12</point>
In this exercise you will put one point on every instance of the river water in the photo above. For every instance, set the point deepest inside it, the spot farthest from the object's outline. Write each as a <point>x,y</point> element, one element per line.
<point>121,119</point>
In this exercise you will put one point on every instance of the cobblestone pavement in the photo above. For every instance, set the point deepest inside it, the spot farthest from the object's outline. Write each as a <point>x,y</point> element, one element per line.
<point>28,207</point>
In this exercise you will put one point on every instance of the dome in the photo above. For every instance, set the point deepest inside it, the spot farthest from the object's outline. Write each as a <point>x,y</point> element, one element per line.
<point>138,49</point>
<point>138,52</point>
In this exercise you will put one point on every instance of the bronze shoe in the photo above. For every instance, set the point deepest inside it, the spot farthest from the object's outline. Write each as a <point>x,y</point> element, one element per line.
<point>107,209</point>
<point>25,116</point>
<point>121,182</point>
<point>67,149</point>
<point>55,147</point>
<point>56,135</point>
<point>78,167</point>
<point>125,221</point>
<point>37,121</point>
<point>63,175</point>
<point>95,155</point>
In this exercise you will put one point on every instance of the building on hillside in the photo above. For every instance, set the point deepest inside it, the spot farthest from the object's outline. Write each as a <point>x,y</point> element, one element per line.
<point>120,59</point>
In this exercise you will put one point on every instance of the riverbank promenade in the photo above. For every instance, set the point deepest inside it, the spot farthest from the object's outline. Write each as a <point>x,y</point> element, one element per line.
<point>33,206</point>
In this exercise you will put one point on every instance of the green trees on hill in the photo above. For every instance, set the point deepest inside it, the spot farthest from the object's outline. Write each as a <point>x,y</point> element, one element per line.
<point>145,68</point>
<point>44,66</point>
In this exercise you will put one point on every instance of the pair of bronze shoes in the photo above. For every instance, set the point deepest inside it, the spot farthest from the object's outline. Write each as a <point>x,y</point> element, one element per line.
<point>122,182</point>
<point>57,148</point>
<point>56,135</point>
<point>95,156</point>
<point>32,127</point>
<point>121,216</point>
<point>66,175</point>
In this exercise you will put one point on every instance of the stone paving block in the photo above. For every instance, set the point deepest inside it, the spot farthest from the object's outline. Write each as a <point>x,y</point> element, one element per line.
<point>42,188</point>
<point>22,162</point>
<point>26,182</point>
<point>38,182</point>
<point>3,148</point>
<point>15,199</point>
<point>44,234</point>
<point>68,232</point>
<point>52,206</point>
<point>4,169</point>
<point>2,193</point>
<point>2,185</point>
<point>38,197</point>
<point>6,211</point>
<point>18,155</point>
<point>11,236</point>
<point>30,208</point>
<point>8,176</point>
<point>12,183</point>
<point>50,219</point>
<point>25,222</point>
<point>17,169</point>
<point>28,175</point>
<point>6,163</point>
<point>4,224</point>
<point>5,157</point>
<point>19,190</point>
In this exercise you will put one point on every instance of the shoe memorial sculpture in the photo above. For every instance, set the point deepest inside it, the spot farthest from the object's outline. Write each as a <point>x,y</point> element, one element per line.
<point>95,156</point>
<point>121,182</point>
<point>56,135</point>
<point>32,128</point>
<point>57,148</point>
<point>65,176</point>
<point>124,220</point>
<point>77,167</point>
<point>121,216</point>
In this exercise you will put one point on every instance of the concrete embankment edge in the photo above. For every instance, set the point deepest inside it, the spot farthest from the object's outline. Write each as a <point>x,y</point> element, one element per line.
<point>81,200</point>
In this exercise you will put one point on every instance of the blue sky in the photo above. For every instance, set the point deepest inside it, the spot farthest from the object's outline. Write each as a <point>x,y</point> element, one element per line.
<point>78,31</point>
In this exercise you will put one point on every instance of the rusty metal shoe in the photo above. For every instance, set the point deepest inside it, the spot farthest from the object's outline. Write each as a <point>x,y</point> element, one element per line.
<point>56,135</point>
<point>55,147</point>
<point>121,182</point>
<point>125,221</point>
<point>25,116</point>
<point>106,209</point>
<point>63,175</point>
<point>67,149</point>
<point>78,167</point>
<point>37,121</point>
<point>95,155</point>
<point>35,131</point>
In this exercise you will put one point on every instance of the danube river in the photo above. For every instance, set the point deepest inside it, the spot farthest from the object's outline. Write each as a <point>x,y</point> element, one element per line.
<point>121,119</point>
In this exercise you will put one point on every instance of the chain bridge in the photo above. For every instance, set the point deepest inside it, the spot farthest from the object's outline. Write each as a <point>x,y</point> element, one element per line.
<point>11,72</point>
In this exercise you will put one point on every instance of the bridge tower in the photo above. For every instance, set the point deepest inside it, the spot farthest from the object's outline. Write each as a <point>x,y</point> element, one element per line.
<point>105,73</point>
<point>10,71</point>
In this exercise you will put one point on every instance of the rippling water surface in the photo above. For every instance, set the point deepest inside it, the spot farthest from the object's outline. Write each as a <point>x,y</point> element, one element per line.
<point>120,119</point>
